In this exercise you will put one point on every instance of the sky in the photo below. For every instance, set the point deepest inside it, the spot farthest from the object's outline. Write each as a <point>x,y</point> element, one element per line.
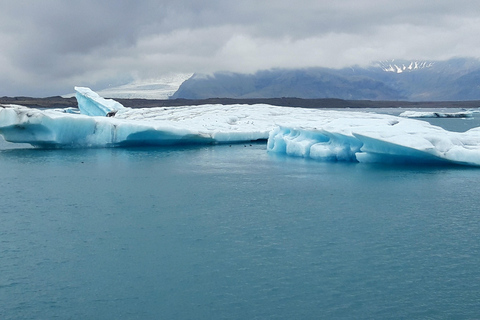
<point>50,46</point>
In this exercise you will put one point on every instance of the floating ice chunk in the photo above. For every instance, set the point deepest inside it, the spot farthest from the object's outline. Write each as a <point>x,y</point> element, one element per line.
<point>406,141</point>
<point>91,104</point>
<point>181,125</point>
<point>312,133</point>
<point>432,114</point>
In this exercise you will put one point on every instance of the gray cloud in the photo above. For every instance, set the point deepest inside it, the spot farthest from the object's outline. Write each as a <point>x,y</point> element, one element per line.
<point>49,46</point>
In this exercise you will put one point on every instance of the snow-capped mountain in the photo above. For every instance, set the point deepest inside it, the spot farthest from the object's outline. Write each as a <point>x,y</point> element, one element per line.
<point>455,79</point>
<point>400,66</point>
<point>416,80</point>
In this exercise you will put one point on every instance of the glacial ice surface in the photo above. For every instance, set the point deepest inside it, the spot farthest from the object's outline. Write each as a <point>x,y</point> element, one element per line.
<point>311,133</point>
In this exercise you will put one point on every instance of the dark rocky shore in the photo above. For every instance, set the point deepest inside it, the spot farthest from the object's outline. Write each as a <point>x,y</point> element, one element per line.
<point>59,102</point>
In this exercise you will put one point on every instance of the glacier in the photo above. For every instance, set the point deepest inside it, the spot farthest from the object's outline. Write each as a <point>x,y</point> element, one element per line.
<point>158,88</point>
<point>325,135</point>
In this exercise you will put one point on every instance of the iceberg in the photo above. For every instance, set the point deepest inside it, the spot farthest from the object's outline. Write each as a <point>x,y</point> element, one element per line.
<point>388,142</point>
<point>432,114</point>
<point>324,135</point>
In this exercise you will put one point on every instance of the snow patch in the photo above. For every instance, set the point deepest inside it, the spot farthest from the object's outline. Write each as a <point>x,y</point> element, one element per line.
<point>400,67</point>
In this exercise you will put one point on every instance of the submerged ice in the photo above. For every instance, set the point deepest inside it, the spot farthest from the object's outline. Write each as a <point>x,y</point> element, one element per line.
<point>311,133</point>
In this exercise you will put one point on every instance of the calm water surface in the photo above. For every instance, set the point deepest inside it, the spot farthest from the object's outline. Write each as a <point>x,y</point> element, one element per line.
<point>233,232</point>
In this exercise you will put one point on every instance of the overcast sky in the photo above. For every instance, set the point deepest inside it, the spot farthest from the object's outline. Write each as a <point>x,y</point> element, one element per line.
<point>49,46</point>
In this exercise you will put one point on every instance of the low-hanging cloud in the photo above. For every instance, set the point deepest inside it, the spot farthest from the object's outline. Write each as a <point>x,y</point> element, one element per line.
<point>50,46</point>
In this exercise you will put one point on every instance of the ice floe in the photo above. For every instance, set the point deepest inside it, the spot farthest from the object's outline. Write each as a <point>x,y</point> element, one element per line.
<point>311,133</point>
<point>434,114</point>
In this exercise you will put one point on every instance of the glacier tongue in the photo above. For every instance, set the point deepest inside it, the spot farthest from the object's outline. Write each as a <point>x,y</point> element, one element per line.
<point>311,133</point>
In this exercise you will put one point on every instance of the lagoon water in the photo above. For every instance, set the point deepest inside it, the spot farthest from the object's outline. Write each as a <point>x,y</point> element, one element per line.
<point>233,232</point>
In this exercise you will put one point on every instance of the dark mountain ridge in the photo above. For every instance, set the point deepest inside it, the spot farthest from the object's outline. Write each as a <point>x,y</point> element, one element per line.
<point>455,80</point>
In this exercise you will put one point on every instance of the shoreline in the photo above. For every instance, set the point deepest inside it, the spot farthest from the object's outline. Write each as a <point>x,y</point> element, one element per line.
<point>324,103</point>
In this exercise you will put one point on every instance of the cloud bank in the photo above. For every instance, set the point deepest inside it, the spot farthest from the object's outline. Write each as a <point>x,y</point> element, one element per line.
<point>49,46</point>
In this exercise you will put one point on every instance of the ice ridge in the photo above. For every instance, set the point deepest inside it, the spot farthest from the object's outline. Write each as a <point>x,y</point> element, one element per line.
<point>91,104</point>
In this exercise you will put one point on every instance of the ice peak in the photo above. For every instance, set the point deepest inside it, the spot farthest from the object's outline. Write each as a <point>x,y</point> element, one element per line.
<point>91,104</point>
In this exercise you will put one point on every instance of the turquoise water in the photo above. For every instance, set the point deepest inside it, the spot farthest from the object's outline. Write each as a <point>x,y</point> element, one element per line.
<point>232,232</point>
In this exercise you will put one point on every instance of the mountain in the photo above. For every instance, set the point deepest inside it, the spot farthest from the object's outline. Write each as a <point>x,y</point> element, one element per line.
<point>455,79</point>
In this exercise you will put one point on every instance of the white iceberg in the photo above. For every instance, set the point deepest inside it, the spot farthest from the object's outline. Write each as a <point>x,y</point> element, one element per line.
<point>311,133</point>
<point>434,114</point>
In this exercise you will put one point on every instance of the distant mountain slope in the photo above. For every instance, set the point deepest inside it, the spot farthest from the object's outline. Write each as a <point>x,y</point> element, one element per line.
<point>455,79</point>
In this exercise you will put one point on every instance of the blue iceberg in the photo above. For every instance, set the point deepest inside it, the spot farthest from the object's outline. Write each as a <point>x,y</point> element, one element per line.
<point>323,135</point>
